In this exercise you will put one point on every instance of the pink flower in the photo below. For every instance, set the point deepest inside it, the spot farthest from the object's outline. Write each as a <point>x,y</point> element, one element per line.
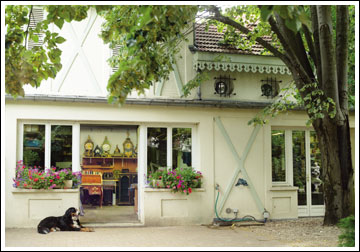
<point>36,179</point>
<point>57,177</point>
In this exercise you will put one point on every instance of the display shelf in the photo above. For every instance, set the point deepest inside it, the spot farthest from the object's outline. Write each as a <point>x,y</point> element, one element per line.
<point>97,167</point>
<point>131,158</point>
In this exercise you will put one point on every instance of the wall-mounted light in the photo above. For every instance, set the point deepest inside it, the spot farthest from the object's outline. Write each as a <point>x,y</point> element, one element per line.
<point>223,86</point>
<point>270,87</point>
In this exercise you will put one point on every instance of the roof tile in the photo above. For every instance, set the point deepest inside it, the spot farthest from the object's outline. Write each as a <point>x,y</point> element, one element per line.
<point>208,41</point>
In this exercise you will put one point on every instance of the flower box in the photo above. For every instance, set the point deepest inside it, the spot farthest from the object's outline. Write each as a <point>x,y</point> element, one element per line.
<point>182,180</point>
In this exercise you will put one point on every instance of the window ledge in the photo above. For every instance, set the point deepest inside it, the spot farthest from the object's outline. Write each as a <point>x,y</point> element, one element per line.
<point>284,188</point>
<point>149,189</point>
<point>19,190</point>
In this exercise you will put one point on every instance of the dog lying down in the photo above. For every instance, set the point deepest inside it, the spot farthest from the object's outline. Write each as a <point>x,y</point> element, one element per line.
<point>68,222</point>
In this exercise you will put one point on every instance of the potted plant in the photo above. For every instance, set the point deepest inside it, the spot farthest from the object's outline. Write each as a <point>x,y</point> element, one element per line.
<point>34,178</point>
<point>178,180</point>
<point>66,178</point>
<point>157,178</point>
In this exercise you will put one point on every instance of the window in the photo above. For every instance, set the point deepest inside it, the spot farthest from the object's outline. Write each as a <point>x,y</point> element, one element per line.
<point>295,160</point>
<point>278,156</point>
<point>46,145</point>
<point>317,196</point>
<point>61,146</point>
<point>169,148</point>
<point>181,147</point>
<point>156,148</point>
<point>34,145</point>
<point>299,164</point>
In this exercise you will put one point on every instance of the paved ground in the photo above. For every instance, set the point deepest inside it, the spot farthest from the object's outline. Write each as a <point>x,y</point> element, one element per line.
<point>181,236</point>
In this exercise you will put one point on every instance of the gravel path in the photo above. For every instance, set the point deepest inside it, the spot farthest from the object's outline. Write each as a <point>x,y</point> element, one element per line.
<point>303,232</point>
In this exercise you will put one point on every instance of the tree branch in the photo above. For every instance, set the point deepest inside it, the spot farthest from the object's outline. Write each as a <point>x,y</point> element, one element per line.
<point>294,44</point>
<point>329,72</point>
<point>342,44</point>
<point>310,43</point>
<point>315,28</point>
<point>218,17</point>
<point>27,28</point>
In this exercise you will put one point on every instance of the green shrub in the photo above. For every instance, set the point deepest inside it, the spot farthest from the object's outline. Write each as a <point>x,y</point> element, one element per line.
<point>347,238</point>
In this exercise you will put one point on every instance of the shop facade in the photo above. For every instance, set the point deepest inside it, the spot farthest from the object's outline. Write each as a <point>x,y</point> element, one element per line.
<point>270,171</point>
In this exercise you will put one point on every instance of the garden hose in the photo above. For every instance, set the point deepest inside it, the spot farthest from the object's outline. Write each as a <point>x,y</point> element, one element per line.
<point>245,218</point>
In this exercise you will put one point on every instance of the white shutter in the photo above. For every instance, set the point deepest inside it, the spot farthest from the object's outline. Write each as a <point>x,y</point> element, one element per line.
<point>36,17</point>
<point>115,52</point>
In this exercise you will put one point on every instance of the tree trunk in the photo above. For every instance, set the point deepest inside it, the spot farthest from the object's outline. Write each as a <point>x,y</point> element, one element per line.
<point>337,170</point>
<point>333,133</point>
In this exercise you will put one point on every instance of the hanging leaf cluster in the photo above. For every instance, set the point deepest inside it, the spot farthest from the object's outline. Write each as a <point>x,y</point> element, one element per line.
<point>148,39</point>
<point>24,65</point>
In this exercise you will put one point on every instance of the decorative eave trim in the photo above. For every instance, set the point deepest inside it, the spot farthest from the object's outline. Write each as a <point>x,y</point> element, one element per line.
<point>241,63</point>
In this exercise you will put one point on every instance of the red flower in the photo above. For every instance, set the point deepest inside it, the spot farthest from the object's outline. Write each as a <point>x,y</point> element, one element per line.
<point>159,177</point>
<point>177,177</point>
<point>36,179</point>
<point>42,178</point>
<point>25,184</point>
<point>51,180</point>
<point>190,190</point>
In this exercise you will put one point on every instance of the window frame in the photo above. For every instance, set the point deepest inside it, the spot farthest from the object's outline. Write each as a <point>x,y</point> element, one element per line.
<point>288,158</point>
<point>289,171</point>
<point>169,156</point>
<point>47,158</point>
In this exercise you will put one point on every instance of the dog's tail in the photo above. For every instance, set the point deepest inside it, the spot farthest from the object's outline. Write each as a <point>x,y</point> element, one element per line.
<point>43,230</point>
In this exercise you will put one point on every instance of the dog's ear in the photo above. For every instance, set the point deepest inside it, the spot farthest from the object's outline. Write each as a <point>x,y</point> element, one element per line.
<point>69,211</point>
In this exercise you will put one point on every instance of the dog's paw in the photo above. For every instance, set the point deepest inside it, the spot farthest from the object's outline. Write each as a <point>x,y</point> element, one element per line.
<point>86,229</point>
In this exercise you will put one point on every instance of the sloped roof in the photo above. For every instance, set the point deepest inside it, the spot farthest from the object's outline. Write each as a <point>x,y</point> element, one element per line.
<point>208,41</point>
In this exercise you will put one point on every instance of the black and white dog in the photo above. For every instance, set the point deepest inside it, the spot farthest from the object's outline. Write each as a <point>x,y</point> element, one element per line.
<point>68,222</point>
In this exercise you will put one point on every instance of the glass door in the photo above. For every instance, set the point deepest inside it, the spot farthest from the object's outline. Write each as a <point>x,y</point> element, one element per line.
<point>316,190</point>
<point>307,173</point>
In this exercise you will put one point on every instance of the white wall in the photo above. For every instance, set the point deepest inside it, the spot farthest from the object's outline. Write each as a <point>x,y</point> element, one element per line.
<point>214,158</point>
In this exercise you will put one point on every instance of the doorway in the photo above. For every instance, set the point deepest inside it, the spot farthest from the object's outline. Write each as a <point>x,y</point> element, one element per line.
<point>307,173</point>
<point>109,162</point>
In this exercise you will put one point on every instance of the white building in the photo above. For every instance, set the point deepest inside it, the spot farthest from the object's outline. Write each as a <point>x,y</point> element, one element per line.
<point>275,160</point>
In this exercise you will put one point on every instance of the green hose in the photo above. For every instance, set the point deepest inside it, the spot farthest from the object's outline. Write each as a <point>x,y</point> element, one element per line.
<point>245,218</point>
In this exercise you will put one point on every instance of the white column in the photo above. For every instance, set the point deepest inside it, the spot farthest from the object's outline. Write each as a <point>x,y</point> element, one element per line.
<point>289,157</point>
<point>169,148</point>
<point>47,146</point>
<point>142,169</point>
<point>76,147</point>
<point>21,142</point>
